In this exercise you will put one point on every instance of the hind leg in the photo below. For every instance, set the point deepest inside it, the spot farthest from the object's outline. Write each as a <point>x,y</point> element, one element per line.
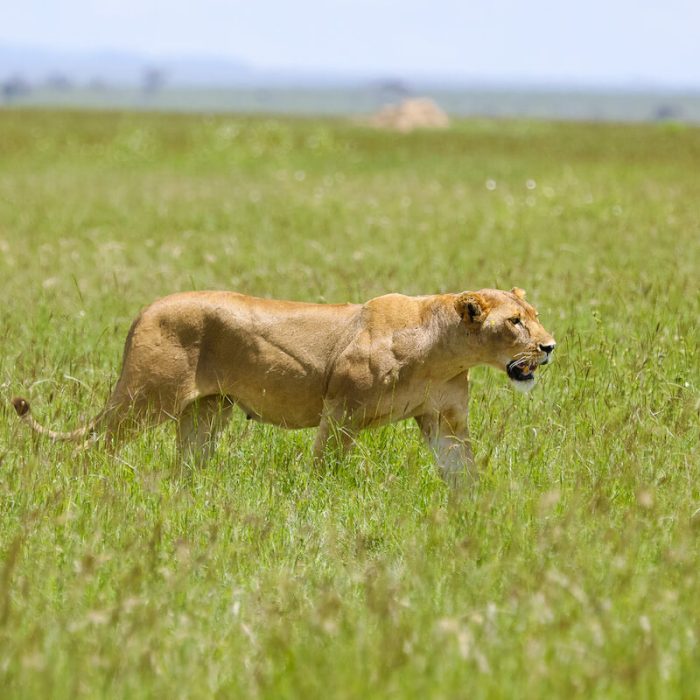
<point>335,434</point>
<point>198,428</point>
<point>123,421</point>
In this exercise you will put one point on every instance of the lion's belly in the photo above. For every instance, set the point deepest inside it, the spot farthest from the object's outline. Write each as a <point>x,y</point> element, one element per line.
<point>389,409</point>
<point>274,367</point>
<point>293,405</point>
<point>270,384</point>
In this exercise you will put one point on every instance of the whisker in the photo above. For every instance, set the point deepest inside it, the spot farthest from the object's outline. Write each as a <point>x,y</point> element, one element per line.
<point>523,361</point>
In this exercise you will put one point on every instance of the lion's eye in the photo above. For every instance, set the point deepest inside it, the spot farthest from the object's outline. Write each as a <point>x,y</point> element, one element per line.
<point>516,321</point>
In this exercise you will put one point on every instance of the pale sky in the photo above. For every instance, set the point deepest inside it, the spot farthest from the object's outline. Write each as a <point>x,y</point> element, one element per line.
<point>590,41</point>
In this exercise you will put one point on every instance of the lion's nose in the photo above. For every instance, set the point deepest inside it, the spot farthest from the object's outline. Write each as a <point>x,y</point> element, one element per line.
<point>548,348</point>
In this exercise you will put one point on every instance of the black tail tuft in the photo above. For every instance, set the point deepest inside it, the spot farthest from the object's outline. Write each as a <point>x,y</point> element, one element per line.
<point>21,406</point>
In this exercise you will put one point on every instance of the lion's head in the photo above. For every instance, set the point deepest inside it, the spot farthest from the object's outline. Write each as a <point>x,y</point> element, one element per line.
<point>510,336</point>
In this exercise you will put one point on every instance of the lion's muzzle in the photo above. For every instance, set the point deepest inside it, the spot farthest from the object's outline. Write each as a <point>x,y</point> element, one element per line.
<point>522,370</point>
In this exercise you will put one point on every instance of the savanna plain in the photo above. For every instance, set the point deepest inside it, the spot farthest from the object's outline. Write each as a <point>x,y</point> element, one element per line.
<point>573,569</point>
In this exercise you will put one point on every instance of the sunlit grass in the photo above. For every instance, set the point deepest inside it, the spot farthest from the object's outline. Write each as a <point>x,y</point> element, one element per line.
<point>573,570</point>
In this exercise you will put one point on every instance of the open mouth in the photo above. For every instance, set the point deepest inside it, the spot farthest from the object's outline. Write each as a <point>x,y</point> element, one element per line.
<point>522,370</point>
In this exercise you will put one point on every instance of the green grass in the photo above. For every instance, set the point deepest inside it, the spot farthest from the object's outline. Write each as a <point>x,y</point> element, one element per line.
<point>573,570</point>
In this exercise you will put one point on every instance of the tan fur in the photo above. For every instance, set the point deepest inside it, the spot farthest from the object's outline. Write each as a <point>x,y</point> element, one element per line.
<point>342,367</point>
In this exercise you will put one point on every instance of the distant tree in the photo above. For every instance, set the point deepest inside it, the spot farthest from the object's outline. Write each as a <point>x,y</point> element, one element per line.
<point>14,86</point>
<point>59,82</point>
<point>152,81</point>
<point>393,88</point>
<point>665,113</point>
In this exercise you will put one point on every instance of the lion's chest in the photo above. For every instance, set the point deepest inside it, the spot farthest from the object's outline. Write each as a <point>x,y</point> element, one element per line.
<point>379,393</point>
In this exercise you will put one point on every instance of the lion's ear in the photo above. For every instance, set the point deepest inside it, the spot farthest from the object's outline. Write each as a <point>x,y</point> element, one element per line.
<point>520,293</point>
<point>472,307</point>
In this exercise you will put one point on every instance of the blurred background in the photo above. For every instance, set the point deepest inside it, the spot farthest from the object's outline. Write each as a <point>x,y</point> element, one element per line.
<point>629,60</point>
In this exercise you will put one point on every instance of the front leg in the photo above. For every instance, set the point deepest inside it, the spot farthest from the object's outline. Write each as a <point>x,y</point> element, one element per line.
<point>447,434</point>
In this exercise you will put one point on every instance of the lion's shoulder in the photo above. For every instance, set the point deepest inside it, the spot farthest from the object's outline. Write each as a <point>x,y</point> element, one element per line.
<point>398,311</point>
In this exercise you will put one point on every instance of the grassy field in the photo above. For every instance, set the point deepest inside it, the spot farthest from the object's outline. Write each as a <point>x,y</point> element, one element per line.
<point>573,570</point>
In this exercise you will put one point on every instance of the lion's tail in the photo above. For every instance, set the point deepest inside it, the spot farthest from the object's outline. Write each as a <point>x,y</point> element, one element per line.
<point>24,412</point>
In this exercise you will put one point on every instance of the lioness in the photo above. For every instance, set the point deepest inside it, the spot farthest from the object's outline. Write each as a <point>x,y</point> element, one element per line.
<point>342,367</point>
